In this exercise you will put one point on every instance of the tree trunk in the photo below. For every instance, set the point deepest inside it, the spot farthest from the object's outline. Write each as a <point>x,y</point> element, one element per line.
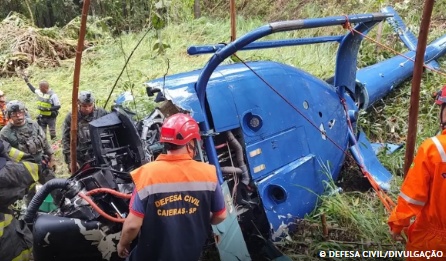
<point>51,21</point>
<point>31,16</point>
<point>197,10</point>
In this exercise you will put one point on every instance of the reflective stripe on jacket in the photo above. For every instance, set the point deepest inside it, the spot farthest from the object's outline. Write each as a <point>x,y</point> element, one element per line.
<point>422,191</point>
<point>15,154</point>
<point>177,194</point>
<point>44,101</point>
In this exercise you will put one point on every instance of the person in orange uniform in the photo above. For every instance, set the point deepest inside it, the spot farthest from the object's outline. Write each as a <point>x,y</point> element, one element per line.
<point>422,194</point>
<point>175,201</point>
<point>3,114</point>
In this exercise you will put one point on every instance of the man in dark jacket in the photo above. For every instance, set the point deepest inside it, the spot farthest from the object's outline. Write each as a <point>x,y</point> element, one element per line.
<point>175,200</point>
<point>87,112</point>
<point>16,179</point>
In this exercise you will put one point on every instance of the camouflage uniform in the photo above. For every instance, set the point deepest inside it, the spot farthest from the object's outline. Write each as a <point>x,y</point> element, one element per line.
<point>84,150</point>
<point>31,140</point>
<point>28,138</point>
<point>16,179</point>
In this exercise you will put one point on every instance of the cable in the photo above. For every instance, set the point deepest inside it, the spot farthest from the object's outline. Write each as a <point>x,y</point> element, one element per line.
<point>110,191</point>
<point>99,210</point>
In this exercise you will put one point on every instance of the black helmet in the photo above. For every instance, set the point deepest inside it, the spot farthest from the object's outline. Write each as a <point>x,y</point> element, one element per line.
<point>14,106</point>
<point>86,97</point>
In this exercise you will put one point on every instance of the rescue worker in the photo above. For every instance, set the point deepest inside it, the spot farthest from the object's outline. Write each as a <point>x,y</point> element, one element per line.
<point>87,112</point>
<point>26,135</point>
<point>422,193</point>
<point>175,200</point>
<point>17,178</point>
<point>3,116</point>
<point>48,106</point>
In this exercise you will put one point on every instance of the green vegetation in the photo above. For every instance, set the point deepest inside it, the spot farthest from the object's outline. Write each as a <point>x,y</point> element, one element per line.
<point>356,221</point>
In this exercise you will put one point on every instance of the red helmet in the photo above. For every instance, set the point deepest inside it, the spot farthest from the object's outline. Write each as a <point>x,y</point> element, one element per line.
<point>441,96</point>
<point>179,129</point>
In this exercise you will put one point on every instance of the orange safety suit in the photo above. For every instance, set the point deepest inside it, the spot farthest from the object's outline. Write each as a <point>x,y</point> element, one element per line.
<point>421,196</point>
<point>3,118</point>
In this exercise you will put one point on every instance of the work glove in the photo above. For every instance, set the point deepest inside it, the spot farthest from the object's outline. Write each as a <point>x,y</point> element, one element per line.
<point>43,108</point>
<point>26,79</point>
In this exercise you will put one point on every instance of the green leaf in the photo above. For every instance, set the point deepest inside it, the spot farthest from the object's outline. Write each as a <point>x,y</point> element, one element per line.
<point>158,22</point>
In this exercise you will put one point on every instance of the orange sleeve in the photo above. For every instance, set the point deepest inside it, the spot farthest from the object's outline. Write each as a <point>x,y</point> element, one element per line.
<point>414,192</point>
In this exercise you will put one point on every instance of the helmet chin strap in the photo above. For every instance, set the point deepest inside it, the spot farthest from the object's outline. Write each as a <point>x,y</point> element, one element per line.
<point>190,150</point>
<point>195,149</point>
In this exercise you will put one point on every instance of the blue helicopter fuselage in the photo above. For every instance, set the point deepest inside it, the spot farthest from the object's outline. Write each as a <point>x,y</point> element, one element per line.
<point>294,128</point>
<point>292,143</point>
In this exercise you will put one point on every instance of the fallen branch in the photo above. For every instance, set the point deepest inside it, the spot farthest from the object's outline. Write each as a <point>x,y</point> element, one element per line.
<point>324,226</point>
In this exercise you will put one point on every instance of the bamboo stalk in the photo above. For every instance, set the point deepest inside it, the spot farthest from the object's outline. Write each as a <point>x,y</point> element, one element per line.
<point>77,70</point>
<point>233,25</point>
<point>30,12</point>
<point>416,81</point>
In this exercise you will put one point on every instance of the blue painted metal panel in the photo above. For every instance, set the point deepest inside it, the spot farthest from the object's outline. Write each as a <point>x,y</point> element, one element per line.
<point>202,49</point>
<point>365,155</point>
<point>290,193</point>
<point>388,148</point>
<point>276,151</point>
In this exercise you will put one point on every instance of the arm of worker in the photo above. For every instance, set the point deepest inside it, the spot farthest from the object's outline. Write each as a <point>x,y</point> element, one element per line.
<point>132,225</point>
<point>16,155</point>
<point>218,207</point>
<point>30,86</point>
<point>66,138</point>
<point>130,230</point>
<point>55,102</point>
<point>414,193</point>
<point>15,181</point>
<point>55,108</point>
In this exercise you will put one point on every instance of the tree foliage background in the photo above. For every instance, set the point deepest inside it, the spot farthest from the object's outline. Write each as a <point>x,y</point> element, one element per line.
<point>125,14</point>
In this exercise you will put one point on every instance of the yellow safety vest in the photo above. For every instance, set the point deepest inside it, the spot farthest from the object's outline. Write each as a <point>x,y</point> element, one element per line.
<point>44,101</point>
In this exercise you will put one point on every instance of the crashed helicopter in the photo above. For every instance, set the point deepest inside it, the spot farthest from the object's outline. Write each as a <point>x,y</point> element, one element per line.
<point>269,128</point>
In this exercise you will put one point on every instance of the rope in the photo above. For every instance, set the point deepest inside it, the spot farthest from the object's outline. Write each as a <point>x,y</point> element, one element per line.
<point>348,26</point>
<point>388,203</point>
